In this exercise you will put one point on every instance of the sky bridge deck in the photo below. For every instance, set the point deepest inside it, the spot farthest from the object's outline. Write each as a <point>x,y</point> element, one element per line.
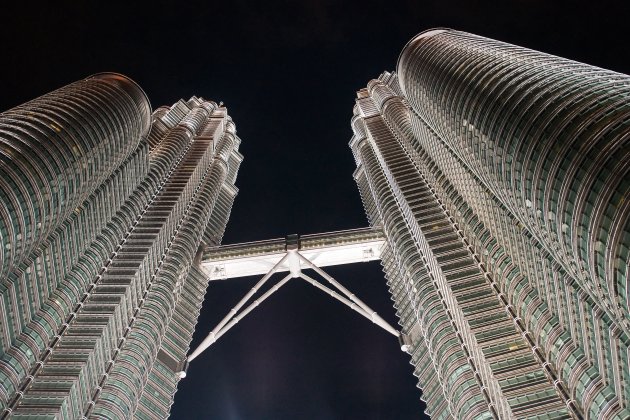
<point>323,249</point>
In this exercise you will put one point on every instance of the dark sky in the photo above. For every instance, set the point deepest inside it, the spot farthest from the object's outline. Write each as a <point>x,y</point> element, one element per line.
<point>288,72</point>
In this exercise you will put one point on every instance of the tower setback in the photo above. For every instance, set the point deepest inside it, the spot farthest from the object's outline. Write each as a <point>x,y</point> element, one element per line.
<point>499,176</point>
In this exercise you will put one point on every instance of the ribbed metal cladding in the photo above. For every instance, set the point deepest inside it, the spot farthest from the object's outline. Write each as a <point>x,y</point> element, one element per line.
<point>507,175</point>
<point>96,320</point>
<point>162,299</point>
<point>457,392</point>
<point>56,149</point>
<point>548,136</point>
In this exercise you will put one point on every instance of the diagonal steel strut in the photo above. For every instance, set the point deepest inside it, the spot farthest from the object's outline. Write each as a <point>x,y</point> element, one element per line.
<point>212,337</point>
<point>372,314</point>
<point>292,258</point>
<point>369,315</point>
<point>217,333</point>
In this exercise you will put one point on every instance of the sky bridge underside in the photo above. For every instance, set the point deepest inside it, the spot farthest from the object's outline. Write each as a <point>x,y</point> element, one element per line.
<point>323,249</point>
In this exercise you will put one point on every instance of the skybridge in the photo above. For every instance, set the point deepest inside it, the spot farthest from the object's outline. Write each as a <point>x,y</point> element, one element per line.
<point>288,257</point>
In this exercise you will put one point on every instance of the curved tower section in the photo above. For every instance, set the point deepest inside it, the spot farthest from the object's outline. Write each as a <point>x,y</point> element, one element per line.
<point>57,149</point>
<point>547,136</point>
<point>499,176</point>
<point>97,312</point>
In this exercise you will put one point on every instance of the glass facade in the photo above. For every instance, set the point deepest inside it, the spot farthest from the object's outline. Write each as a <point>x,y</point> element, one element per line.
<point>105,211</point>
<point>498,175</point>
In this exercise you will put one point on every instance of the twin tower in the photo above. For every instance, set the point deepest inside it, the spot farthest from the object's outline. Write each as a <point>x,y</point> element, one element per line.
<point>498,177</point>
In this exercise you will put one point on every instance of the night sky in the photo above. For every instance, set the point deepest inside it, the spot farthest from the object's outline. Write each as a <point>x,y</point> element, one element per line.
<point>288,72</point>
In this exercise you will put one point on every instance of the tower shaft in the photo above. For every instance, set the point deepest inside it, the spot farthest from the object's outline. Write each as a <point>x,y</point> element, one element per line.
<point>497,174</point>
<point>113,284</point>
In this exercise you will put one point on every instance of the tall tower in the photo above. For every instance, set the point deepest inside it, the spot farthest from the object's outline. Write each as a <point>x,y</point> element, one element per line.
<point>500,177</point>
<point>105,209</point>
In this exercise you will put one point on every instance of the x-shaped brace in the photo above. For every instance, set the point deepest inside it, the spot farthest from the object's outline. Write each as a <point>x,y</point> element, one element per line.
<point>294,259</point>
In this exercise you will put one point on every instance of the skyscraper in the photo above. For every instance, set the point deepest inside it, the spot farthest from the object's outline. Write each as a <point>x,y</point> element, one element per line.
<point>104,212</point>
<point>499,176</point>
